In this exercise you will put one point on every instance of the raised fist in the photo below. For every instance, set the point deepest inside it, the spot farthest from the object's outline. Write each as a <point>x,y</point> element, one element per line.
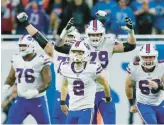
<point>23,18</point>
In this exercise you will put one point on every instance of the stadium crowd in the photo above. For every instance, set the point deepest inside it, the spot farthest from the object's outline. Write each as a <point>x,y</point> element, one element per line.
<point>51,16</point>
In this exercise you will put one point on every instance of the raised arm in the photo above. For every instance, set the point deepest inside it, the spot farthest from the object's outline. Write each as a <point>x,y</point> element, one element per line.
<point>131,41</point>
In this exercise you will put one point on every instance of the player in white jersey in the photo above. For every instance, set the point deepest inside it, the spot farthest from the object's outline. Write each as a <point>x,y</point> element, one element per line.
<point>79,75</point>
<point>148,75</point>
<point>102,49</point>
<point>31,72</point>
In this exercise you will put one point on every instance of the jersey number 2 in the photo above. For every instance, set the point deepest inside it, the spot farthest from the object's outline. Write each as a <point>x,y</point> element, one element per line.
<point>27,75</point>
<point>78,88</point>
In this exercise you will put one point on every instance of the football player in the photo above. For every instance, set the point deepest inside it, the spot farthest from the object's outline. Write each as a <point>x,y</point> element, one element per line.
<point>31,72</point>
<point>148,75</point>
<point>79,76</point>
<point>54,52</point>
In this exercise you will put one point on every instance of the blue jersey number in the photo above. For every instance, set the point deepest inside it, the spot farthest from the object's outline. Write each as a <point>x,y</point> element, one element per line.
<point>78,87</point>
<point>27,74</point>
<point>143,85</point>
<point>102,56</point>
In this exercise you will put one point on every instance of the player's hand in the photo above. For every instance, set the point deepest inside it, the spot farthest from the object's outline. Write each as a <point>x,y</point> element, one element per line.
<point>64,108</point>
<point>153,85</point>
<point>133,109</point>
<point>23,18</point>
<point>129,25</point>
<point>69,28</point>
<point>70,23</point>
<point>107,99</point>
<point>29,94</point>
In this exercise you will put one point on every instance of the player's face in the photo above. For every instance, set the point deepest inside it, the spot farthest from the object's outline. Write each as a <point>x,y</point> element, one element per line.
<point>22,47</point>
<point>95,37</point>
<point>148,60</point>
<point>78,55</point>
<point>69,39</point>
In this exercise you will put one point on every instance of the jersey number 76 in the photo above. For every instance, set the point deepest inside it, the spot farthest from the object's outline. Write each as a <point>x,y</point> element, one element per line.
<point>27,75</point>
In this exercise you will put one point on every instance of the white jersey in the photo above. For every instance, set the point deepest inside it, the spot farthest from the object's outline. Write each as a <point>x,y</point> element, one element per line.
<point>28,74</point>
<point>103,55</point>
<point>144,94</point>
<point>81,85</point>
<point>58,58</point>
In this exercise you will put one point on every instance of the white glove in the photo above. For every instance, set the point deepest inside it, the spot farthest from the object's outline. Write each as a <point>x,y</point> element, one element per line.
<point>29,94</point>
<point>5,90</point>
<point>101,13</point>
<point>69,28</point>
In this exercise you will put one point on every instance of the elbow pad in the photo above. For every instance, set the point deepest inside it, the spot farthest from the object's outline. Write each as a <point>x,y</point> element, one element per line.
<point>128,47</point>
<point>40,39</point>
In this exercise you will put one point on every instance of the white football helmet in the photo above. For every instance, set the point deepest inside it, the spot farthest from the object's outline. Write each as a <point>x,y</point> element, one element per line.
<point>146,51</point>
<point>26,45</point>
<point>95,32</point>
<point>80,46</point>
<point>72,37</point>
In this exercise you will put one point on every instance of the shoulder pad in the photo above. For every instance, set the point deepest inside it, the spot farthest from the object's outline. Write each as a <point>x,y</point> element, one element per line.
<point>135,63</point>
<point>160,61</point>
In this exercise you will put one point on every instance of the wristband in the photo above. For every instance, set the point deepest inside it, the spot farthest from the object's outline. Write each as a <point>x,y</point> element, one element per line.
<point>131,102</point>
<point>62,102</point>
<point>108,99</point>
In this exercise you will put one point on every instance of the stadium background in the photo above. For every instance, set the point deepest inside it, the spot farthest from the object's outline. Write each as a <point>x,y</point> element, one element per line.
<point>54,21</point>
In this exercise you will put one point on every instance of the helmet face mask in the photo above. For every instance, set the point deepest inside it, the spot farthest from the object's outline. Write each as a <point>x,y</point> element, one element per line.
<point>148,56</point>
<point>26,45</point>
<point>95,33</point>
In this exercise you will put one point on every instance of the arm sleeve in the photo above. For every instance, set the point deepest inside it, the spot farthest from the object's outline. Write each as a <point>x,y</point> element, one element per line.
<point>64,49</point>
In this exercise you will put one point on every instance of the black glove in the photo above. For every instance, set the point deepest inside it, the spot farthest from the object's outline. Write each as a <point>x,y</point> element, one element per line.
<point>107,99</point>
<point>23,19</point>
<point>70,23</point>
<point>129,23</point>
<point>129,26</point>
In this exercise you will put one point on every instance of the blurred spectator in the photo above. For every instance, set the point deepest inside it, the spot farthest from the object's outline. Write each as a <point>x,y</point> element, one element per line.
<point>105,5</point>
<point>117,17</point>
<point>55,16</point>
<point>157,6</point>
<point>7,18</point>
<point>37,16</point>
<point>78,9</point>
<point>144,18</point>
<point>20,8</point>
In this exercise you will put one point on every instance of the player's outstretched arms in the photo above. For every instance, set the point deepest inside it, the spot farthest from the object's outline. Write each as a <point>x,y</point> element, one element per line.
<point>8,83</point>
<point>131,42</point>
<point>64,90</point>
<point>101,79</point>
<point>129,93</point>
